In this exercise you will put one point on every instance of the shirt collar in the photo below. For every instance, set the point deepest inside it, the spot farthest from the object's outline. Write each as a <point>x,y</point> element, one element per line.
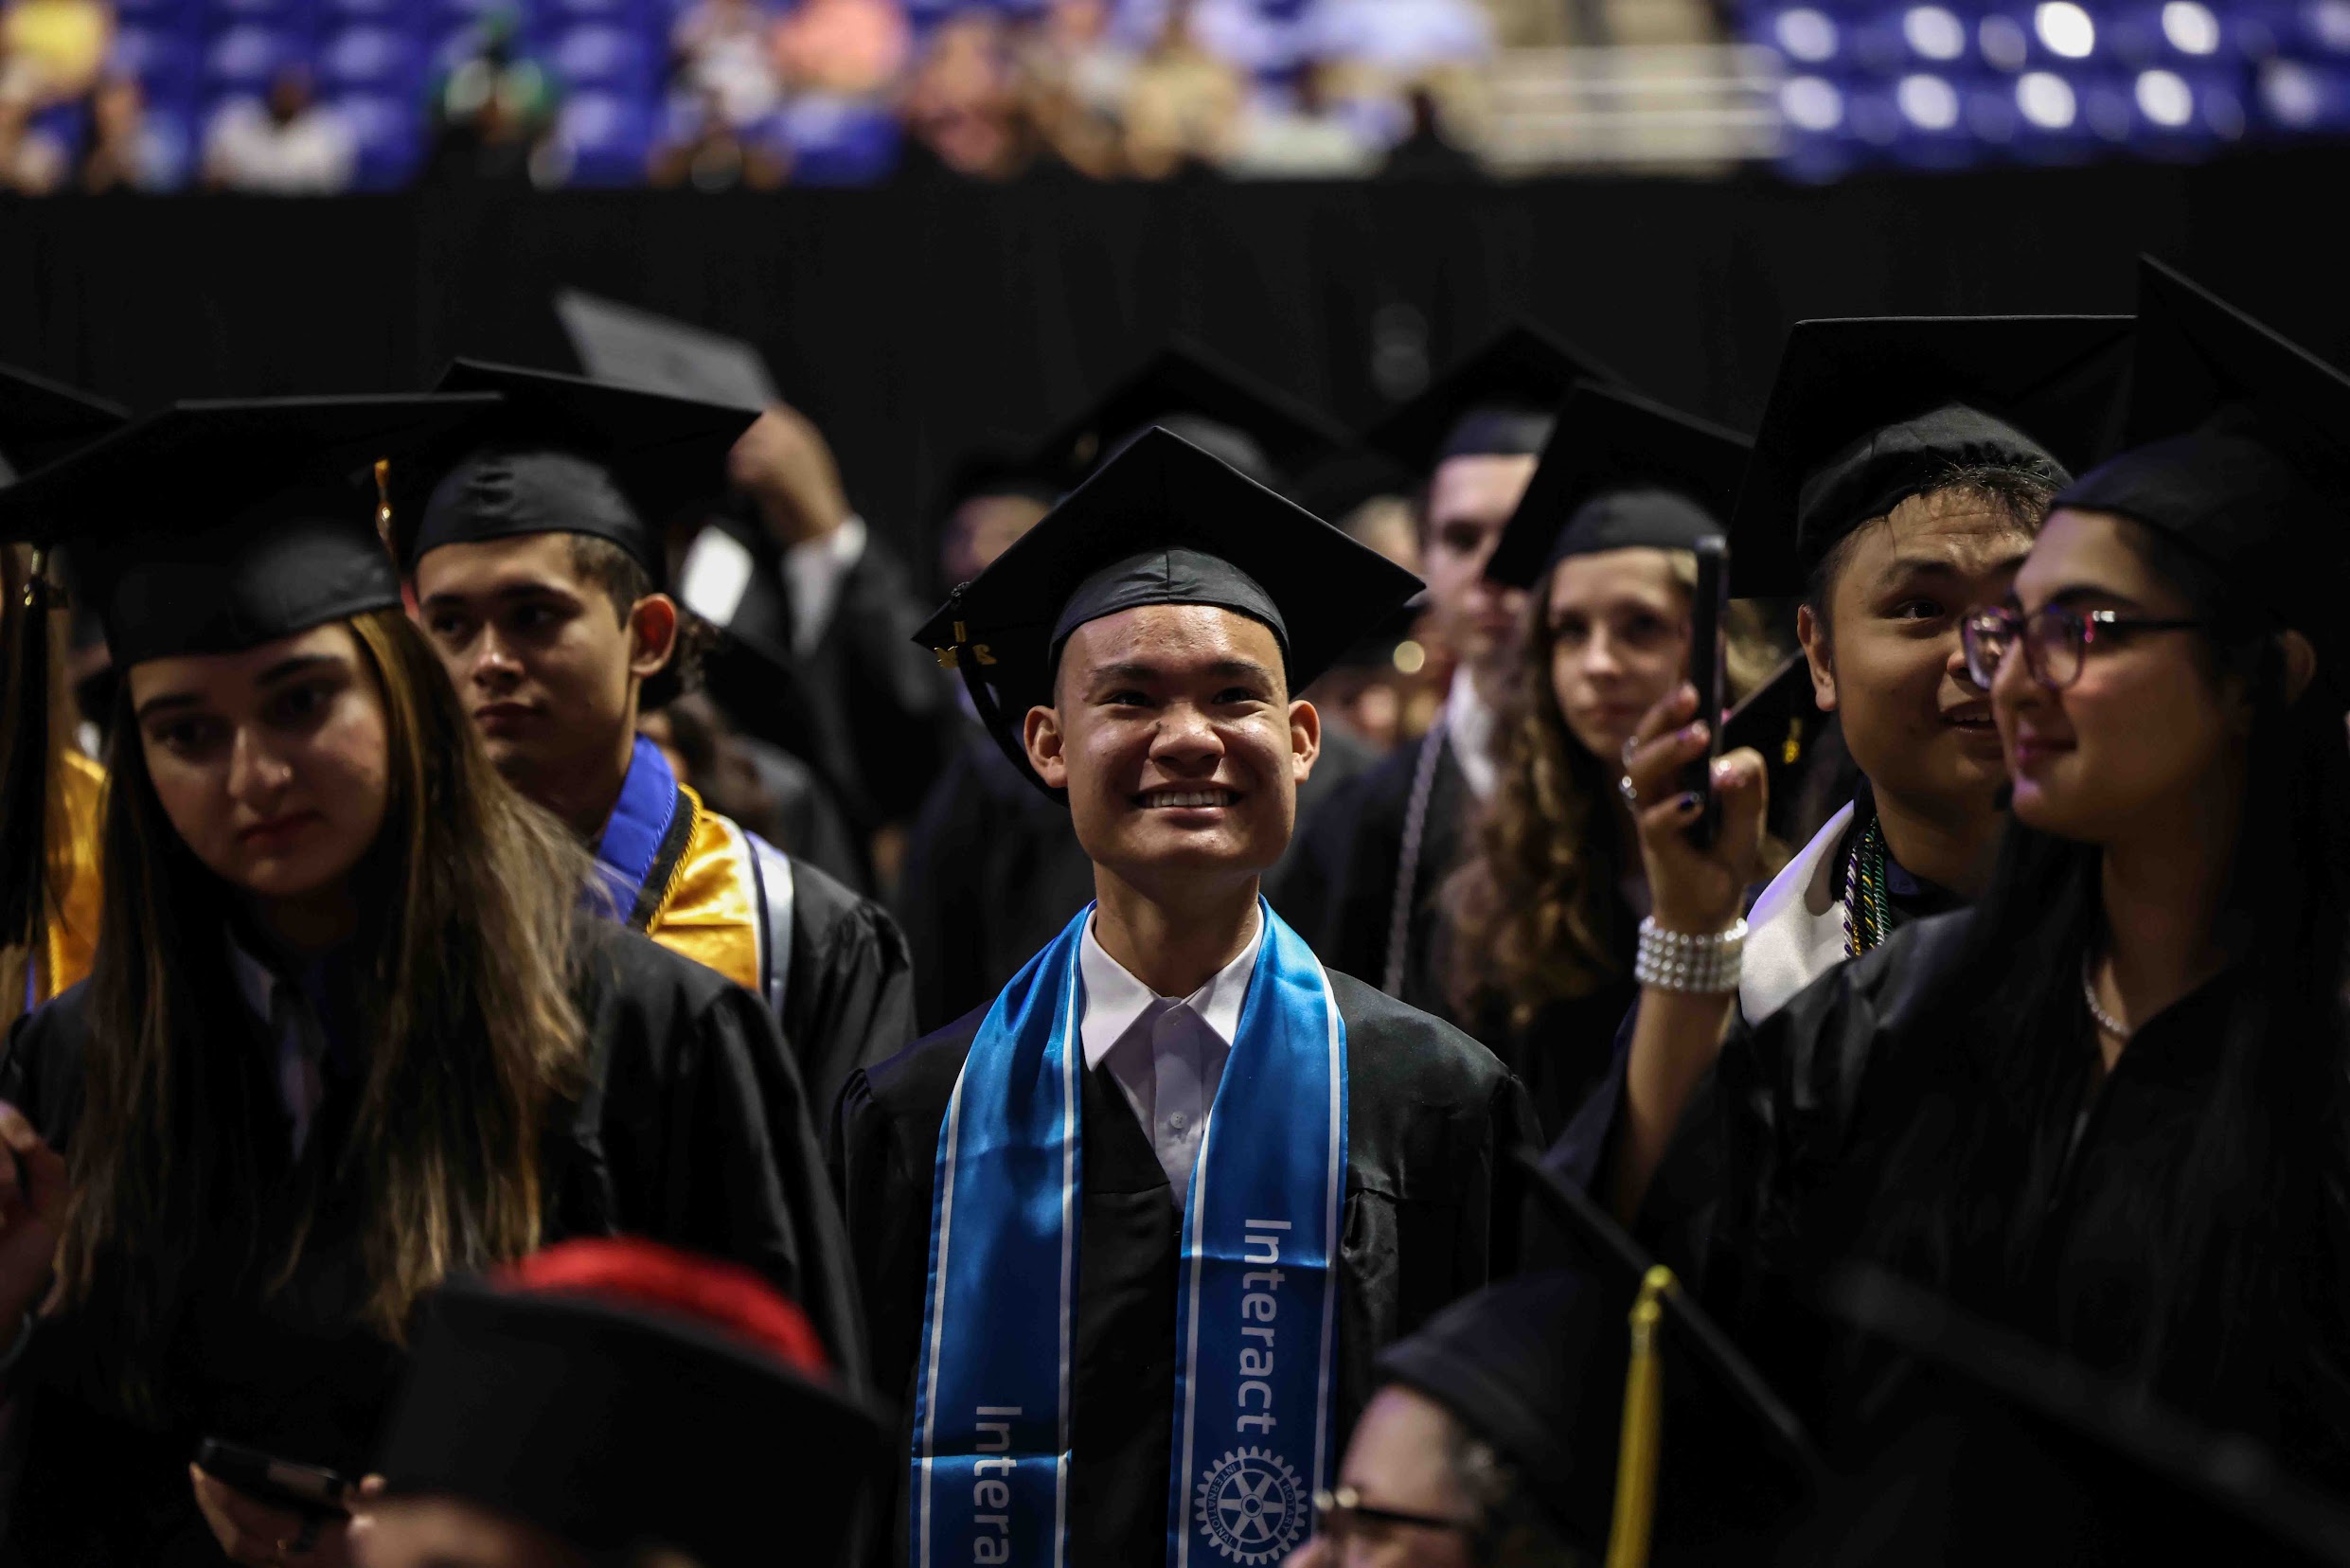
<point>256,981</point>
<point>1471,728</point>
<point>1114,998</point>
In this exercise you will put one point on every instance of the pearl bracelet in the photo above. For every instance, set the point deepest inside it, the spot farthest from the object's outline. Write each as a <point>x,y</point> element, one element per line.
<point>1676,961</point>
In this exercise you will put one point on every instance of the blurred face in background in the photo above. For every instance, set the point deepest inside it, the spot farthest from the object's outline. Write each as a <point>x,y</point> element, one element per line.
<point>1617,624</point>
<point>1470,499</point>
<point>983,529</point>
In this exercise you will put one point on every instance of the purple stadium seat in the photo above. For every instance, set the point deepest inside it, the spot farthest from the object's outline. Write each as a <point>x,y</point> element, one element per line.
<point>605,138</point>
<point>163,60</point>
<point>371,60</point>
<point>604,58</point>
<point>836,141</point>
<point>242,58</point>
<point>389,131</point>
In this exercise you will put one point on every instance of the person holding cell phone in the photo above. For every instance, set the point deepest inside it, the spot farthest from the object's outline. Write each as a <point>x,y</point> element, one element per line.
<point>1605,546</point>
<point>350,1027</point>
<point>2103,1107</point>
<point>1900,471</point>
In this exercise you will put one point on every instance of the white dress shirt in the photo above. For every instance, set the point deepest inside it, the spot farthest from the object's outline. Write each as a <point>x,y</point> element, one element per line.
<point>1473,729</point>
<point>1167,1053</point>
<point>812,574</point>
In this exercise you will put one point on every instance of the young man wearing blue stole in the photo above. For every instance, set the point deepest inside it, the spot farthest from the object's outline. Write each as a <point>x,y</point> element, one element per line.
<point>1130,1236</point>
<point>534,542</point>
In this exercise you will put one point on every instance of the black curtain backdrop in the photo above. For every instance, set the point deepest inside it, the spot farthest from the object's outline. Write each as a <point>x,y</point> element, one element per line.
<point>909,321</point>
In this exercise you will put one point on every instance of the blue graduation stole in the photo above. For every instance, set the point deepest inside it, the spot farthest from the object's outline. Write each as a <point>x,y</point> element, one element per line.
<point>1256,1322</point>
<point>642,825</point>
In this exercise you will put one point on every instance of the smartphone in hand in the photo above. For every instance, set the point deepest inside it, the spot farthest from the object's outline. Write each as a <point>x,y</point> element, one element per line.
<point>1709,608</point>
<point>282,1483</point>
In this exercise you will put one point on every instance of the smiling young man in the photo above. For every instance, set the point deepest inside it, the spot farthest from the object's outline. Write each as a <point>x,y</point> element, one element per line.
<point>536,559</point>
<point>1390,842</point>
<point>1130,1236</point>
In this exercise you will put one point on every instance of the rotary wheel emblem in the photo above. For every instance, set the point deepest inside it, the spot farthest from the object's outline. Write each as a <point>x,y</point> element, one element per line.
<point>1251,1506</point>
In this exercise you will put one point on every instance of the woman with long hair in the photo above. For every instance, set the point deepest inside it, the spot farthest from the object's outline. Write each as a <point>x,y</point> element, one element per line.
<point>2104,1108</point>
<point>1541,918</point>
<point>345,1033</point>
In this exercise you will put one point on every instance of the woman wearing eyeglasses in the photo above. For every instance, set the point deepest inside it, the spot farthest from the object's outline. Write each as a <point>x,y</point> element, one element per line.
<point>2105,1107</point>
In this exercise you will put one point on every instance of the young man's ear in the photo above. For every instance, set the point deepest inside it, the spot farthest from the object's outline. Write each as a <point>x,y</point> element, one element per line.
<point>1819,653</point>
<point>1305,740</point>
<point>653,635</point>
<point>1041,733</point>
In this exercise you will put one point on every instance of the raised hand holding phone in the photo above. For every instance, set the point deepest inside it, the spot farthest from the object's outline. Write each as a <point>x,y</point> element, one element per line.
<point>1698,888</point>
<point>1709,608</point>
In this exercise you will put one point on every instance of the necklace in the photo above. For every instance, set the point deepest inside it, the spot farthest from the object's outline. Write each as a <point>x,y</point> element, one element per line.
<point>1868,912</point>
<point>2105,1021</point>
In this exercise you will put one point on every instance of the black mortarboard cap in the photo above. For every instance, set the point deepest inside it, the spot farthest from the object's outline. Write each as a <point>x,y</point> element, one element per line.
<point>1256,428</point>
<point>564,454</point>
<point>1537,1367</point>
<point>1499,399</point>
<point>629,346</point>
<point>1779,719</point>
<point>41,420</point>
<point>2240,453</point>
<point>995,465</point>
<point>1991,1447</point>
<point>210,527</point>
<point>1620,471</point>
<point>1869,411</point>
<point>1346,480</point>
<point>614,1429</point>
<point>1160,522</point>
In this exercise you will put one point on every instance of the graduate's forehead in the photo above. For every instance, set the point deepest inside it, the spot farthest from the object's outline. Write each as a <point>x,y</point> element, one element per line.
<point>1170,642</point>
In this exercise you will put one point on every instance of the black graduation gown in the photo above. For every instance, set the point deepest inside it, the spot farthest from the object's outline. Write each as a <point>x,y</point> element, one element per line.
<point>1431,1116</point>
<point>1362,903</point>
<point>1676,1219</point>
<point>693,1131</point>
<point>993,872</point>
<point>1815,1100</point>
<point>867,707</point>
<point>807,824</point>
<point>1300,878</point>
<point>849,1002</point>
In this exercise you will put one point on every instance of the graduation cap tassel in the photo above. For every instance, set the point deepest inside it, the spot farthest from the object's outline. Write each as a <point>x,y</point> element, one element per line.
<point>1644,1422</point>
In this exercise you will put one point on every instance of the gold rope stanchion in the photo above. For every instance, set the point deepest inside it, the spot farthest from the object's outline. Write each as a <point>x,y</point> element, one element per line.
<point>1644,1426</point>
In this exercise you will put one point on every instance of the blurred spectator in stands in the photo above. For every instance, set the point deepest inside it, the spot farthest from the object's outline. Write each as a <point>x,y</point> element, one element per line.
<point>128,150</point>
<point>1308,137</point>
<point>722,53</point>
<point>492,112</point>
<point>32,158</point>
<point>961,108</point>
<point>1074,73</point>
<point>288,144</point>
<point>1182,105</point>
<point>706,149</point>
<point>842,49</point>
<point>52,50</point>
<point>1426,153</point>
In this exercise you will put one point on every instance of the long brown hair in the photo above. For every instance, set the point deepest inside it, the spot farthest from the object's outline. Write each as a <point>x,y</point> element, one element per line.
<point>469,895</point>
<point>1532,912</point>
